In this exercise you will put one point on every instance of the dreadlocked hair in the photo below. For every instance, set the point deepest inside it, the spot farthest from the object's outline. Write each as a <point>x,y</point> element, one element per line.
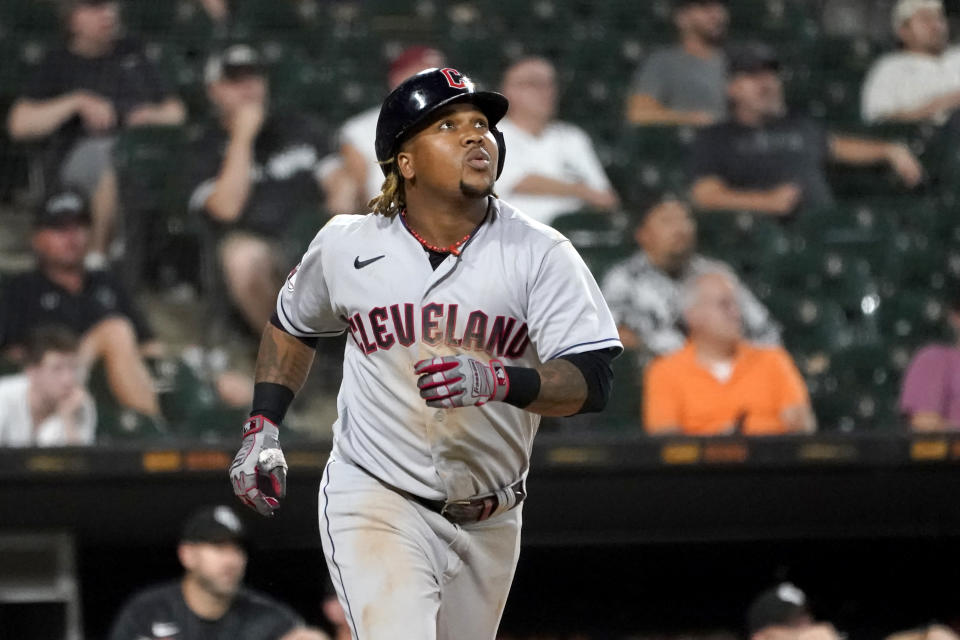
<point>392,197</point>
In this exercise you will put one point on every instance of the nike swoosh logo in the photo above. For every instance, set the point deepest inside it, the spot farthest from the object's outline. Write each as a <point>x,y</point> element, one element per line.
<point>360,264</point>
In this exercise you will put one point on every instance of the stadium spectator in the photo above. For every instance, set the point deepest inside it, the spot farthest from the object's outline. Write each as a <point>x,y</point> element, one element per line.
<point>46,405</point>
<point>61,291</point>
<point>210,601</point>
<point>928,397</point>
<point>763,159</point>
<point>783,613</point>
<point>256,176</point>
<point>553,167</point>
<point>643,291</point>
<point>921,80</point>
<point>685,83</point>
<point>80,96</point>
<point>358,133</point>
<point>720,384</point>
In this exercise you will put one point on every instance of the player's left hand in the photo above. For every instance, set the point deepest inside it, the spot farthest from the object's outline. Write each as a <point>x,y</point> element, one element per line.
<point>461,381</point>
<point>259,455</point>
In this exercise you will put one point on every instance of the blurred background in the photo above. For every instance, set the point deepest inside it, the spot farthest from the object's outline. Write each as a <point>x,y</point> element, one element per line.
<point>164,164</point>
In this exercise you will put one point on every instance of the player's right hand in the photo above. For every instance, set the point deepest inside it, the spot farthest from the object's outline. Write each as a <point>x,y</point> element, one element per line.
<point>259,455</point>
<point>461,381</point>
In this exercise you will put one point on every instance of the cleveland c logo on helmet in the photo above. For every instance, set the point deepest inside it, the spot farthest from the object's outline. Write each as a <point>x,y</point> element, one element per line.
<point>454,78</point>
<point>418,97</point>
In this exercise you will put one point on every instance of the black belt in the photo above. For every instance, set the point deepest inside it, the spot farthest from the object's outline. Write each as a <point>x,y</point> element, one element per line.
<point>469,510</point>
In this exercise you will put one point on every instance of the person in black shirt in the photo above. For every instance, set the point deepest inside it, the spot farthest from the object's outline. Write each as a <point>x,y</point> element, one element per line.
<point>257,175</point>
<point>766,160</point>
<point>209,602</point>
<point>81,95</point>
<point>60,291</point>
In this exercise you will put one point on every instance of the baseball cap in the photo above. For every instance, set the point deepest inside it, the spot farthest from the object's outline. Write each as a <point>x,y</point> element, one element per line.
<point>62,207</point>
<point>904,10</point>
<point>236,61</point>
<point>414,55</point>
<point>213,524</point>
<point>751,58</point>
<point>782,605</point>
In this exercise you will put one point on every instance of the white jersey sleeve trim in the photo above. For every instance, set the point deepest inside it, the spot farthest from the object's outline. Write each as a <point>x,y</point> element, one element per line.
<point>292,329</point>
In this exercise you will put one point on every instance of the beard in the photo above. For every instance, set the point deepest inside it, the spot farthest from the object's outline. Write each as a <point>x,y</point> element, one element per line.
<point>219,589</point>
<point>475,192</point>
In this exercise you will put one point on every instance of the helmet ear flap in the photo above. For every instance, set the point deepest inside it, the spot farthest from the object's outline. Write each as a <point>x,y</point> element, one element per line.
<point>501,148</point>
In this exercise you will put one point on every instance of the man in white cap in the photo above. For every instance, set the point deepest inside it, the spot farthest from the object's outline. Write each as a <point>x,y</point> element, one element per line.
<point>920,82</point>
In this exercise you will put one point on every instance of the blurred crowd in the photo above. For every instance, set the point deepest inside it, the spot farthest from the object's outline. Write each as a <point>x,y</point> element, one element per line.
<point>113,328</point>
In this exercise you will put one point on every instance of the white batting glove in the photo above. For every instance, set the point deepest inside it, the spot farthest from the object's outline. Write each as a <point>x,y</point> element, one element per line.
<point>259,456</point>
<point>461,381</point>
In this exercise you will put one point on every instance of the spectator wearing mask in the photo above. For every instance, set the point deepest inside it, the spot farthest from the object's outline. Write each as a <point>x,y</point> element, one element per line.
<point>258,178</point>
<point>643,291</point>
<point>210,602</point>
<point>765,160</point>
<point>357,134</point>
<point>929,397</point>
<point>685,83</point>
<point>62,291</point>
<point>553,167</point>
<point>46,405</point>
<point>78,99</point>
<point>920,82</point>
<point>720,384</point>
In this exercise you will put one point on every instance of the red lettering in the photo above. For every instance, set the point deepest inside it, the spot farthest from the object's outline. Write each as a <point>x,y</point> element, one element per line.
<point>429,329</point>
<point>377,317</point>
<point>500,335</point>
<point>403,327</point>
<point>519,343</point>
<point>452,326</point>
<point>367,346</point>
<point>475,331</point>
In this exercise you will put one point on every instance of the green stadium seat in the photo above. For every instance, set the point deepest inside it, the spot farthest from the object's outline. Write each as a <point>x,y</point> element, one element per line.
<point>914,260</point>
<point>190,403</point>
<point>913,318</point>
<point>600,237</point>
<point>747,241</point>
<point>650,159</point>
<point>858,390</point>
<point>116,424</point>
<point>812,326</point>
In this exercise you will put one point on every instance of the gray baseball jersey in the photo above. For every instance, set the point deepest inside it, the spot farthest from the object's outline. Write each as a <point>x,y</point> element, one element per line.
<point>518,292</point>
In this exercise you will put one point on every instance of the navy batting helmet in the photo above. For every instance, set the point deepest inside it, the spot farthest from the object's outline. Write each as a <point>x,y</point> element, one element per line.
<point>412,103</point>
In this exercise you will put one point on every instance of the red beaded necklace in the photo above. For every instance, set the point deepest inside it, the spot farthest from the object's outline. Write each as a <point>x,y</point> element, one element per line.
<point>454,248</point>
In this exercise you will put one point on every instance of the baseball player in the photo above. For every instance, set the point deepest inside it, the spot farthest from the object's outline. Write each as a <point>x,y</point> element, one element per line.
<point>467,322</point>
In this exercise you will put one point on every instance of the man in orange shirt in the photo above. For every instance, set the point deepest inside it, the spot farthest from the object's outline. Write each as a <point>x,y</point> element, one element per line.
<point>720,384</point>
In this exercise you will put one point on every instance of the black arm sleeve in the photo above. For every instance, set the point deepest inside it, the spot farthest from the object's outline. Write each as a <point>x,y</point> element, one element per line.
<point>596,370</point>
<point>310,342</point>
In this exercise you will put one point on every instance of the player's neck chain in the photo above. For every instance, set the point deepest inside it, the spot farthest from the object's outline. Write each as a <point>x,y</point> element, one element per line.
<point>454,248</point>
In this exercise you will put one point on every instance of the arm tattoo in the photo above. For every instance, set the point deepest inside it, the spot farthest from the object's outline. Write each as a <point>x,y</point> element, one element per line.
<point>283,359</point>
<point>562,389</point>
